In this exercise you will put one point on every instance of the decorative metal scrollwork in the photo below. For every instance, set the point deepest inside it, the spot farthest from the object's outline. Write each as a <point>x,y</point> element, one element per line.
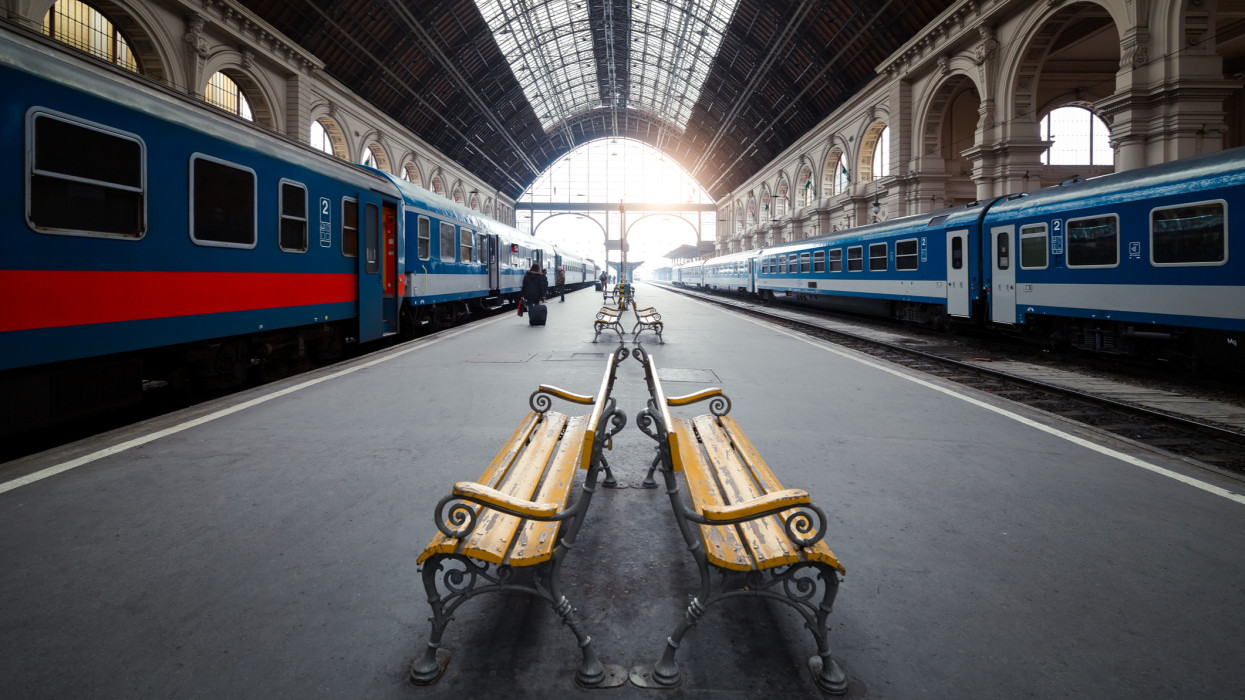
<point>802,522</point>
<point>459,521</point>
<point>540,401</point>
<point>720,405</point>
<point>647,424</point>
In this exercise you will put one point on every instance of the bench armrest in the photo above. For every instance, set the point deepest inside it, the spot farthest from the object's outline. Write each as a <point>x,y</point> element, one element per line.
<point>566,395</point>
<point>779,500</point>
<point>804,527</point>
<point>697,397</point>
<point>479,493</point>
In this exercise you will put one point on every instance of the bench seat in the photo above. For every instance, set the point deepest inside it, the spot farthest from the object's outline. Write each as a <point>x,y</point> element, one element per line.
<point>510,529</point>
<point>738,520</point>
<point>647,320</point>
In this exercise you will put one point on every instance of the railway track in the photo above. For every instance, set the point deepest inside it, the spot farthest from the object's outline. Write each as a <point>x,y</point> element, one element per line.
<point>1181,425</point>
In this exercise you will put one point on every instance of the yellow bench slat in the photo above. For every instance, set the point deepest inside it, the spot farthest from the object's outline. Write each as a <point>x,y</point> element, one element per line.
<point>723,545</point>
<point>535,541</point>
<point>492,476</point>
<point>493,534</point>
<point>766,539</point>
<point>761,472</point>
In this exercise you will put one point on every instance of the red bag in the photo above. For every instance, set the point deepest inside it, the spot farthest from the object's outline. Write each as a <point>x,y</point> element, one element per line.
<point>520,307</point>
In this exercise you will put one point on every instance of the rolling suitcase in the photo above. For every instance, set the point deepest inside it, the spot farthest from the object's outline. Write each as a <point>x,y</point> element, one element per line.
<point>536,314</point>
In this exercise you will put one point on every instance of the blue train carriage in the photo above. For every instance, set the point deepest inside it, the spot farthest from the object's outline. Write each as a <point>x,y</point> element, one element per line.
<point>730,273</point>
<point>136,219</point>
<point>1131,263</point>
<point>917,269</point>
<point>691,274</point>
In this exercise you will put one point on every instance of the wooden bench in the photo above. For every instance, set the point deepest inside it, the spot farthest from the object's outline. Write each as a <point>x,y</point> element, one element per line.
<point>608,318</point>
<point>647,320</point>
<point>764,541</point>
<point>510,530</point>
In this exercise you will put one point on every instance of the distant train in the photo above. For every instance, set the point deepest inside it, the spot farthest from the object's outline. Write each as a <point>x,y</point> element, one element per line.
<point>1133,263</point>
<point>147,238</point>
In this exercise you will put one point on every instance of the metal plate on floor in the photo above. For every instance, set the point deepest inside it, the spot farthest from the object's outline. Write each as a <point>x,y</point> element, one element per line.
<point>502,358</point>
<point>680,374</point>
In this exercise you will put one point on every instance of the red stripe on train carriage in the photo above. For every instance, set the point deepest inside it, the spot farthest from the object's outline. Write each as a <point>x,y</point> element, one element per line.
<point>32,299</point>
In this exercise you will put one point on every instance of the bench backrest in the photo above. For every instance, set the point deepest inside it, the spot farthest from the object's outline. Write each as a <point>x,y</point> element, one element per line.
<point>663,409</point>
<point>598,409</point>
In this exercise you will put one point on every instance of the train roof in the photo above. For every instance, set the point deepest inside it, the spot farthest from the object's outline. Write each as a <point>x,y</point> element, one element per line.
<point>1224,168</point>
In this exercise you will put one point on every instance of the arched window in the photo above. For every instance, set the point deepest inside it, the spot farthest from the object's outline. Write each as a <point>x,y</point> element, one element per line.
<point>437,186</point>
<point>223,92</point>
<point>767,206</point>
<point>368,158</point>
<point>780,199</point>
<point>86,29</point>
<point>1080,138</point>
<point>842,181</point>
<point>806,195</point>
<point>410,173</point>
<point>458,195</point>
<point>320,138</point>
<point>882,154</point>
<point>752,212</point>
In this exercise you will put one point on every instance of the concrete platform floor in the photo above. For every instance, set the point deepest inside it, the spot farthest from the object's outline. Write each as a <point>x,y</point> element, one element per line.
<point>264,545</point>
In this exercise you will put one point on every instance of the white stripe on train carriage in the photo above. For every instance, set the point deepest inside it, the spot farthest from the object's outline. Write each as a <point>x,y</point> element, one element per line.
<point>1101,449</point>
<point>1203,301</point>
<point>152,437</point>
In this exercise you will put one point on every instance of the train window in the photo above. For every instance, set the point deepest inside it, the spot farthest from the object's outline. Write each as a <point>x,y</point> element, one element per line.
<point>1033,247</point>
<point>907,255</point>
<point>85,179</point>
<point>836,260</point>
<point>1190,234</point>
<point>819,261</point>
<point>447,241</point>
<point>1003,249</point>
<point>466,244</point>
<point>1093,242</point>
<point>782,265</point>
<point>350,228</point>
<point>793,263</point>
<point>855,259</point>
<point>371,239</point>
<point>482,248</point>
<point>222,203</point>
<point>292,236</point>
<point>877,257</point>
<point>423,238</point>
<point>764,265</point>
<point>804,268</point>
<point>957,253</point>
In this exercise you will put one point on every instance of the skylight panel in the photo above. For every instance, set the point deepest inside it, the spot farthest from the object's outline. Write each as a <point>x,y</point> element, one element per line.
<point>549,47</point>
<point>671,49</point>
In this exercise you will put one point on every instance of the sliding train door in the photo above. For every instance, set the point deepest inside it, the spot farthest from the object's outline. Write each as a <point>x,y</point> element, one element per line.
<point>958,291</point>
<point>1002,274</point>
<point>378,298</point>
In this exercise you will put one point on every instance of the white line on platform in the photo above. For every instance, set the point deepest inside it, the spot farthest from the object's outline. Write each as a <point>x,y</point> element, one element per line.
<point>151,437</point>
<point>1101,449</point>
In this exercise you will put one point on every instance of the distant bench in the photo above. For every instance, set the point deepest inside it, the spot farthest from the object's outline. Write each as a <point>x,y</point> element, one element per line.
<point>510,530</point>
<point>608,318</point>
<point>647,320</point>
<point>764,540</point>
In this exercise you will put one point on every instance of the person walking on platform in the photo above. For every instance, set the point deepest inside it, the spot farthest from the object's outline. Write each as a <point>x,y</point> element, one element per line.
<point>535,286</point>
<point>605,279</point>
<point>560,280</point>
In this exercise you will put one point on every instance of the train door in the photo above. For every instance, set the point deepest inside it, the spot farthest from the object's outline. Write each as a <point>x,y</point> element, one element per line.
<point>752,278</point>
<point>371,285</point>
<point>393,291</point>
<point>957,274</point>
<point>494,269</point>
<point>1003,275</point>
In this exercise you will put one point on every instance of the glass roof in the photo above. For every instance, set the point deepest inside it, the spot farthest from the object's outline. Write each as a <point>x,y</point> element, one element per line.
<point>549,48</point>
<point>670,46</point>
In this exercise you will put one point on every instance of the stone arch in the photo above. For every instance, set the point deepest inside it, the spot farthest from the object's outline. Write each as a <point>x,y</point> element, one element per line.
<point>488,206</point>
<point>738,216</point>
<point>829,172</point>
<point>238,67</point>
<point>751,221</point>
<point>765,205</point>
<point>805,185</point>
<point>457,192</point>
<point>1023,62</point>
<point>374,141</point>
<point>868,144</point>
<point>145,33</point>
<point>474,202</point>
<point>337,135</point>
<point>948,125</point>
<point>436,183</point>
<point>410,171</point>
<point>782,197</point>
